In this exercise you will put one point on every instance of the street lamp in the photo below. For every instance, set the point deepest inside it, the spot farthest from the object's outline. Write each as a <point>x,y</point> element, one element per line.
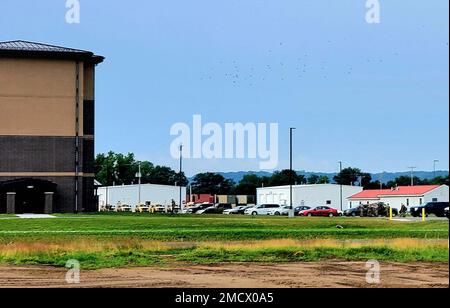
<point>181,175</point>
<point>340,186</point>
<point>139,176</point>
<point>291,209</point>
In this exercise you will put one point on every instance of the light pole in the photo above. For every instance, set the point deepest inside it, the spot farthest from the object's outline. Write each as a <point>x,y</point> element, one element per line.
<point>412,175</point>
<point>139,176</point>
<point>434,167</point>
<point>291,208</point>
<point>107,188</point>
<point>181,170</point>
<point>340,187</point>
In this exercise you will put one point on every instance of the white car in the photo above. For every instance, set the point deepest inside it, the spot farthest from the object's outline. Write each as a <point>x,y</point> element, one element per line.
<point>262,209</point>
<point>284,210</point>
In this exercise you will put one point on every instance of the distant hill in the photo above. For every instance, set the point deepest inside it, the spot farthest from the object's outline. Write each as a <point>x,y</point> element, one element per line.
<point>384,177</point>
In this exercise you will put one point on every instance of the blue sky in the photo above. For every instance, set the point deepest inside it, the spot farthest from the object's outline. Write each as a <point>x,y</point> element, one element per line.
<point>373,96</point>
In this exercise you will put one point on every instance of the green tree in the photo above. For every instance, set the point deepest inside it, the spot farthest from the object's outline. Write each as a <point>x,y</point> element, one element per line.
<point>404,181</point>
<point>316,179</point>
<point>118,169</point>
<point>349,176</point>
<point>105,168</point>
<point>323,180</point>
<point>126,169</point>
<point>375,185</point>
<point>248,185</point>
<point>313,179</point>
<point>286,177</point>
<point>440,180</point>
<point>211,183</point>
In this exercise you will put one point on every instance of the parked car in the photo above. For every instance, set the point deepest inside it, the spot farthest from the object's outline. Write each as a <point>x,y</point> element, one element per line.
<point>124,208</point>
<point>298,209</point>
<point>108,208</point>
<point>432,208</point>
<point>211,210</point>
<point>284,210</point>
<point>239,210</point>
<point>224,206</point>
<point>198,207</point>
<point>142,208</point>
<point>320,211</point>
<point>356,211</point>
<point>371,210</point>
<point>261,209</point>
<point>157,208</point>
<point>446,212</point>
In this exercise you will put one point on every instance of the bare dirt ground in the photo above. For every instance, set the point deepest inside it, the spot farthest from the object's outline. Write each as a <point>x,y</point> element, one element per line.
<point>293,275</point>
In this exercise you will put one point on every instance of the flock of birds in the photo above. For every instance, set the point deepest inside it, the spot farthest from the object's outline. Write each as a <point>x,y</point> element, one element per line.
<point>277,70</point>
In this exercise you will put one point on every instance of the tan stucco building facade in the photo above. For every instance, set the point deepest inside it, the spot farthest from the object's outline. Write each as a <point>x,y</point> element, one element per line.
<point>47,107</point>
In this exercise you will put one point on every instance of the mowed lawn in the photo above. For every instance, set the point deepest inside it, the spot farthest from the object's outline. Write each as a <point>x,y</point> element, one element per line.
<point>196,228</point>
<point>122,240</point>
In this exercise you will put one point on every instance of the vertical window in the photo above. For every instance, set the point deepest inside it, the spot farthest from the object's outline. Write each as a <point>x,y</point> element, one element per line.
<point>421,201</point>
<point>407,202</point>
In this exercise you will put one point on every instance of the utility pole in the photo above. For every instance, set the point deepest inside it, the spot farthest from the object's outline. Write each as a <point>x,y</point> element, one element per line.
<point>412,175</point>
<point>181,170</point>
<point>434,167</point>
<point>341,187</point>
<point>139,176</point>
<point>291,209</point>
<point>107,187</point>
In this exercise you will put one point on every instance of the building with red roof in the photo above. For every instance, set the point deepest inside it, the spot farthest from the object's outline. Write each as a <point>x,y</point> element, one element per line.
<point>407,195</point>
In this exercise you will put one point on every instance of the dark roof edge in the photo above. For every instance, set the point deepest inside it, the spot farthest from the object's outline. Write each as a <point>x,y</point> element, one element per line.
<point>87,57</point>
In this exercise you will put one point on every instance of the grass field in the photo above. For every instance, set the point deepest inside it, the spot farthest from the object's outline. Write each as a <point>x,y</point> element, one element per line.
<point>114,240</point>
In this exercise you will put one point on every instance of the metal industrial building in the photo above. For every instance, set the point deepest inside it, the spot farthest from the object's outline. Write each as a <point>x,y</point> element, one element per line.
<point>133,195</point>
<point>46,128</point>
<point>330,195</point>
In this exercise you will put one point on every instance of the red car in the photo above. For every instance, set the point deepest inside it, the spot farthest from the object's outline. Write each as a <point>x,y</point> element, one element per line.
<point>321,211</point>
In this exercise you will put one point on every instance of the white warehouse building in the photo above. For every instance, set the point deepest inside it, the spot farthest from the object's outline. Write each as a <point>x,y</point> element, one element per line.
<point>308,195</point>
<point>149,193</point>
<point>410,196</point>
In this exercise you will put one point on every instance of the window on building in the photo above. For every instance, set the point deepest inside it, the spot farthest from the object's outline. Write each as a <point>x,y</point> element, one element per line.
<point>407,202</point>
<point>421,201</point>
<point>328,202</point>
<point>435,199</point>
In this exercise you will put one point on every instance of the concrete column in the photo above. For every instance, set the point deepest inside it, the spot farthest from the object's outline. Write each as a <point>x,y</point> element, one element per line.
<point>48,203</point>
<point>11,203</point>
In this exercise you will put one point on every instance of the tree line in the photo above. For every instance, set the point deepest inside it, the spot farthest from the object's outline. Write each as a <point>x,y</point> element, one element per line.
<point>120,169</point>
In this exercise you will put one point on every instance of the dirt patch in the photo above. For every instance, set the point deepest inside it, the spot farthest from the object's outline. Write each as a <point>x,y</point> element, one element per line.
<point>292,275</point>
